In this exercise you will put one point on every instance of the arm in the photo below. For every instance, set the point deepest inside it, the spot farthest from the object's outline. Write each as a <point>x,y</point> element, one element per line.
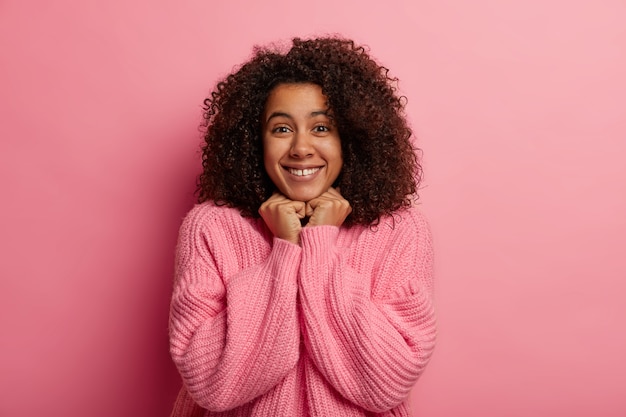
<point>370,337</point>
<point>232,338</point>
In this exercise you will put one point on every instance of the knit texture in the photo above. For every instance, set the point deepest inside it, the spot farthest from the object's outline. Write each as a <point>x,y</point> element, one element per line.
<point>340,325</point>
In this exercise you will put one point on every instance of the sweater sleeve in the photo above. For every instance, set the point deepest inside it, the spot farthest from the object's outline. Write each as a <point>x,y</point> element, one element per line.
<point>232,338</point>
<point>370,334</point>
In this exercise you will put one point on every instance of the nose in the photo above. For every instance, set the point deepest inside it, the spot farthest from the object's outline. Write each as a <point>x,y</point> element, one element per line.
<point>301,146</point>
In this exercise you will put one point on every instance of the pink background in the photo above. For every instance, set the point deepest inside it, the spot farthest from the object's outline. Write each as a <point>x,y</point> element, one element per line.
<point>520,107</point>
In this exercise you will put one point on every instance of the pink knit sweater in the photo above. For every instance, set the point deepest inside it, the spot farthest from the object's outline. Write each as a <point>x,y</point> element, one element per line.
<point>340,325</point>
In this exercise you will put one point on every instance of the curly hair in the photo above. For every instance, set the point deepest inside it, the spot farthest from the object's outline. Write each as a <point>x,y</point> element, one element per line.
<point>381,171</point>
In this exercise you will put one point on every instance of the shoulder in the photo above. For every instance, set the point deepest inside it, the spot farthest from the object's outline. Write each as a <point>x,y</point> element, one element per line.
<point>397,250</point>
<point>205,215</point>
<point>208,230</point>
<point>409,221</point>
<point>209,224</point>
<point>406,230</point>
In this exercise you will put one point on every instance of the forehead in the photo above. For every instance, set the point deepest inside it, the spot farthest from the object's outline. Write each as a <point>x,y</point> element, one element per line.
<point>296,98</point>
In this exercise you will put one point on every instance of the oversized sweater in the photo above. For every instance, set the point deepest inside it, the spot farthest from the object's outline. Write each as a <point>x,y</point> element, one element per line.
<point>340,325</point>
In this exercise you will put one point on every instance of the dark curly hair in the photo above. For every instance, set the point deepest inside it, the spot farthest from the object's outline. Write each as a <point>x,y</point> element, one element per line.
<point>381,171</point>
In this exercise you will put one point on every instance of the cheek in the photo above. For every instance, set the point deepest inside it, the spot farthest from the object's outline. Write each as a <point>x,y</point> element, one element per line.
<point>339,168</point>
<point>269,155</point>
<point>271,160</point>
<point>337,153</point>
<point>274,151</point>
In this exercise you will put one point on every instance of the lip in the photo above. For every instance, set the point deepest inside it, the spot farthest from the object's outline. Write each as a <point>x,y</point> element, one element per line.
<point>301,166</point>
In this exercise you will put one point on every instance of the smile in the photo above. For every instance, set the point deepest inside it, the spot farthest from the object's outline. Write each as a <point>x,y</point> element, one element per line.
<point>302,172</point>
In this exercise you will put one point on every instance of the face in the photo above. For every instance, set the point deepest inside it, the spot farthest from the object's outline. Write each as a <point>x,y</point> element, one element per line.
<point>301,146</point>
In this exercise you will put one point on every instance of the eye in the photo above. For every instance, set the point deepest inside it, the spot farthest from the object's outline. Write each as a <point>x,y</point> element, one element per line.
<point>321,128</point>
<point>281,129</point>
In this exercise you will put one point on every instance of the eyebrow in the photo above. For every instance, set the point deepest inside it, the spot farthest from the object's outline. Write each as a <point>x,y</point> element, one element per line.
<point>288,116</point>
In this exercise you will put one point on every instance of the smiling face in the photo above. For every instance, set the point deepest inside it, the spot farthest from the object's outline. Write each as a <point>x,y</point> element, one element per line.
<point>301,145</point>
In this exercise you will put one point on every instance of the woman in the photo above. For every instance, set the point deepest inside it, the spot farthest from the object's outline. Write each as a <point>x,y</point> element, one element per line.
<point>304,275</point>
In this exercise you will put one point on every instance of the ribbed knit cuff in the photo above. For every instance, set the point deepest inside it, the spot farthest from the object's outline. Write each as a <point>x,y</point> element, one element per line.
<point>318,243</point>
<point>285,259</point>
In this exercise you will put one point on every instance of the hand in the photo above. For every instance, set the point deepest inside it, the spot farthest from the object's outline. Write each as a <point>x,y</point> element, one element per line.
<point>329,208</point>
<point>282,216</point>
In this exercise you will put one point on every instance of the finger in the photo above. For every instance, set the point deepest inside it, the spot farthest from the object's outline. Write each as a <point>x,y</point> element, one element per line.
<point>287,206</point>
<point>275,197</point>
<point>300,209</point>
<point>326,197</point>
<point>309,209</point>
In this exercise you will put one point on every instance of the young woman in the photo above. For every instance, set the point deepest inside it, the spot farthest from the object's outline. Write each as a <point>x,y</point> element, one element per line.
<point>304,275</point>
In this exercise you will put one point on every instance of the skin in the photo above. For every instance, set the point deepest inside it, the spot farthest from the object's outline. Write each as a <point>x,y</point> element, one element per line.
<point>302,156</point>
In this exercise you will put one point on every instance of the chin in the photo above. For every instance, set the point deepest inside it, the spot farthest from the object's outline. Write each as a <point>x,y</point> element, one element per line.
<point>303,196</point>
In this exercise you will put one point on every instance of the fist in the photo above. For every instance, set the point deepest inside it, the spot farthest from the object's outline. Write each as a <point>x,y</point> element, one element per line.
<point>282,216</point>
<point>329,208</point>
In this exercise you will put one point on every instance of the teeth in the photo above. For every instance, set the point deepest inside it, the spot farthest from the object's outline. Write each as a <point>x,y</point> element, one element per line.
<point>303,172</point>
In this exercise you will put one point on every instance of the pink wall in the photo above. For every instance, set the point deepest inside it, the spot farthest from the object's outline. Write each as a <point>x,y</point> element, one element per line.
<point>520,107</point>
